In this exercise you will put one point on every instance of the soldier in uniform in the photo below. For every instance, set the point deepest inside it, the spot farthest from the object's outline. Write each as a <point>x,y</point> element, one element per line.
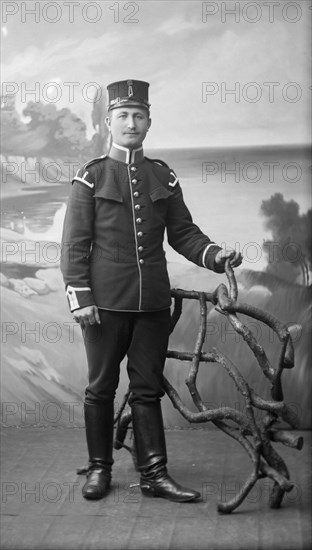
<point>115,272</point>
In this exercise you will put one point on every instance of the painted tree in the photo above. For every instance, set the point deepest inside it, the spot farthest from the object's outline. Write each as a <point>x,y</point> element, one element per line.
<point>289,250</point>
<point>66,132</point>
<point>99,113</point>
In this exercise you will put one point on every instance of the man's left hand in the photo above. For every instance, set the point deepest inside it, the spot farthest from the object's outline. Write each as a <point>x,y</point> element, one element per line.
<point>228,254</point>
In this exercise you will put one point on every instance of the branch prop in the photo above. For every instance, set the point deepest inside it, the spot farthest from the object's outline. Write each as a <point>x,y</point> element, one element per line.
<point>256,438</point>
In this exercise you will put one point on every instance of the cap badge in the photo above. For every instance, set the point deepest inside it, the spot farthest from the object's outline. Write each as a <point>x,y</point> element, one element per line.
<point>130,88</point>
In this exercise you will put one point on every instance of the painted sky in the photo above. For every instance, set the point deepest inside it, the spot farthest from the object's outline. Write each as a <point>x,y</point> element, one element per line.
<point>258,49</point>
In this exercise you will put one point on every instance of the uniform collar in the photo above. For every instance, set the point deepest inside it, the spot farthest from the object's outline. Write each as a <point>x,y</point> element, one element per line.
<point>122,154</point>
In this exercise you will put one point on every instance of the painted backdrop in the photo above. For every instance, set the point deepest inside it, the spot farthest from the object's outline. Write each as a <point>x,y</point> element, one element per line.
<point>230,109</point>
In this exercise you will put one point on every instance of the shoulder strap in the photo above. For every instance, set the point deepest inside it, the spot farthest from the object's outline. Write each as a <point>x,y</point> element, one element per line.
<point>173,178</point>
<point>158,161</point>
<point>93,161</point>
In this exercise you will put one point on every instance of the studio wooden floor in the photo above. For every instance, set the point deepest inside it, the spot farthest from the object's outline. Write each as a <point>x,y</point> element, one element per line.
<point>42,506</point>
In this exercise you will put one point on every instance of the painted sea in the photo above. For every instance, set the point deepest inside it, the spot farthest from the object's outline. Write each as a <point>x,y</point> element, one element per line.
<point>43,361</point>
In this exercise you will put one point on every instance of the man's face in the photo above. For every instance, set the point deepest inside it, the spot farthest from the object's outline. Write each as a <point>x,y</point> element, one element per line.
<point>128,126</point>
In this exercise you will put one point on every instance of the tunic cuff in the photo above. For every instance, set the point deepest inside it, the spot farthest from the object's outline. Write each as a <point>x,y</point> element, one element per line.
<point>208,258</point>
<point>79,297</point>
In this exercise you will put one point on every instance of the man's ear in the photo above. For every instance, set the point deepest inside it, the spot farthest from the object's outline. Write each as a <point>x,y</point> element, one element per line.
<point>108,122</point>
<point>149,123</point>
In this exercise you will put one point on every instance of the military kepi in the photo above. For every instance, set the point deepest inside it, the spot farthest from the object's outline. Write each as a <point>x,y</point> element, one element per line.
<point>128,93</point>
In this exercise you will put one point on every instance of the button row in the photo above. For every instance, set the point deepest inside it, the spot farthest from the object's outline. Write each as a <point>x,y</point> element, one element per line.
<point>137,207</point>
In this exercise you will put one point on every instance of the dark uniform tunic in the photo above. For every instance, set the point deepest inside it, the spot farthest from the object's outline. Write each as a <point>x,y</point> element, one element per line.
<point>112,249</point>
<point>113,257</point>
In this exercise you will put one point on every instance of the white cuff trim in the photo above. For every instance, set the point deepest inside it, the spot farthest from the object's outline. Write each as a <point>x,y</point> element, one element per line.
<point>205,253</point>
<point>72,297</point>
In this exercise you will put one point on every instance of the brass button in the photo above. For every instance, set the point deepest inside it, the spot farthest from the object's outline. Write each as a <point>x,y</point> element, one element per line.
<point>137,207</point>
<point>133,168</point>
<point>139,220</point>
<point>134,181</point>
<point>136,194</point>
<point>140,234</point>
<point>141,261</point>
<point>140,248</point>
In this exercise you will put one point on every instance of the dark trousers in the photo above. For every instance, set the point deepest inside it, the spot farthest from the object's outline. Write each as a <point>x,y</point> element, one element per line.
<point>143,337</point>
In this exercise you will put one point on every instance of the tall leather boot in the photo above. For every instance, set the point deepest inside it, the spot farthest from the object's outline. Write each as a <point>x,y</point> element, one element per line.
<point>99,421</point>
<point>150,445</point>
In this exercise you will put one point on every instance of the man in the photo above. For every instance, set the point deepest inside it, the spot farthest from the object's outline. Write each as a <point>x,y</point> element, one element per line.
<point>118,289</point>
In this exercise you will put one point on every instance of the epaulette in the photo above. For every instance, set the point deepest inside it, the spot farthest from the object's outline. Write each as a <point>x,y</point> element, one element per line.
<point>93,161</point>
<point>158,161</point>
<point>84,171</point>
<point>173,178</point>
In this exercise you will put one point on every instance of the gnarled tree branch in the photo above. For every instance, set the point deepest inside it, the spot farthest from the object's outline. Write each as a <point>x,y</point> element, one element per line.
<point>255,438</point>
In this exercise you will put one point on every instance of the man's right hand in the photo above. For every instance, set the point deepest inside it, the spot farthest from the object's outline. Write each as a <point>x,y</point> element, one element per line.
<point>87,316</point>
